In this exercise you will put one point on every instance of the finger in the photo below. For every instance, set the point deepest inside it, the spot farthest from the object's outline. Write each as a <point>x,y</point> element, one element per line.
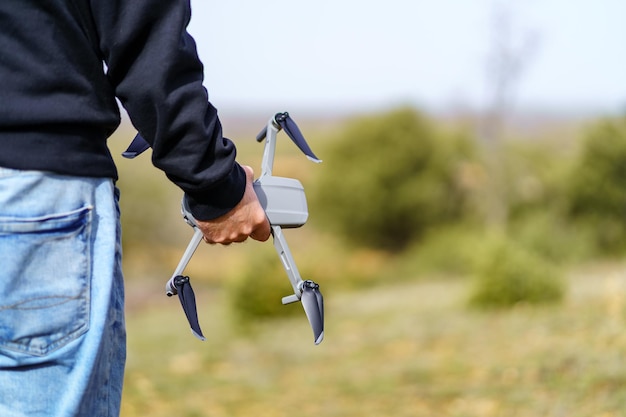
<point>262,232</point>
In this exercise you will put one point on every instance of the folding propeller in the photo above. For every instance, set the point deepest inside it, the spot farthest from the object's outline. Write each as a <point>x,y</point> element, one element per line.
<point>287,124</point>
<point>284,202</point>
<point>313,304</point>
<point>188,300</point>
<point>136,147</point>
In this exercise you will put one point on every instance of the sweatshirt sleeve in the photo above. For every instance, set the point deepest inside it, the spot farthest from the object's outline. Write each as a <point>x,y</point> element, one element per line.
<point>153,65</point>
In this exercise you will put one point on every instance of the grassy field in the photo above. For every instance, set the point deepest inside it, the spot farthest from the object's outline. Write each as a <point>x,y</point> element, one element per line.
<point>405,349</point>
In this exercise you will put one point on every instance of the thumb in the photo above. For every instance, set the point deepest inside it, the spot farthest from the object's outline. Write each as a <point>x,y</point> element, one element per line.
<point>249,172</point>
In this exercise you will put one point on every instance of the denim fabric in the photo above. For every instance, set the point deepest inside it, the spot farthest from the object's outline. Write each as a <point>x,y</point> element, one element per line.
<point>62,334</point>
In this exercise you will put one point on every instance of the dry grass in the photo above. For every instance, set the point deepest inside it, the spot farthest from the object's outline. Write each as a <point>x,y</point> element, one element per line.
<point>411,349</point>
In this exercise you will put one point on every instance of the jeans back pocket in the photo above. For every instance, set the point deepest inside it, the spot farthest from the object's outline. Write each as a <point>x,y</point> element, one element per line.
<point>44,280</point>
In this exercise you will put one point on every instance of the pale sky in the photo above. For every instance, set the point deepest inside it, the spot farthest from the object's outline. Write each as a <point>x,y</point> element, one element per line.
<point>353,55</point>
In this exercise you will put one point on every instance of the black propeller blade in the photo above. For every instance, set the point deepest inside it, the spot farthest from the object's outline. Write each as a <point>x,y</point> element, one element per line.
<point>188,301</point>
<point>136,147</point>
<point>292,130</point>
<point>313,304</point>
<point>287,124</point>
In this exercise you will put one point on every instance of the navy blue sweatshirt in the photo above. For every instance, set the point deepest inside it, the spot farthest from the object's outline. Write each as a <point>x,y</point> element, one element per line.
<point>63,63</point>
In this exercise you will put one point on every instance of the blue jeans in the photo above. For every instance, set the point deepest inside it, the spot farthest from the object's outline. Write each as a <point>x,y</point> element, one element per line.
<point>62,333</point>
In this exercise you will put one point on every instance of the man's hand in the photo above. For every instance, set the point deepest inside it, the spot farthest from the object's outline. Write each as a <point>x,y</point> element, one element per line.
<point>246,219</point>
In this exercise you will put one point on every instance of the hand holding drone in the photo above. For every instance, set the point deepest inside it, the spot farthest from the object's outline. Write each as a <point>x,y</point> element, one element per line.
<point>285,205</point>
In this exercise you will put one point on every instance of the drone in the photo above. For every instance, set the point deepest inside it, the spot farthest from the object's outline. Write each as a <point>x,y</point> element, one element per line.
<point>285,205</point>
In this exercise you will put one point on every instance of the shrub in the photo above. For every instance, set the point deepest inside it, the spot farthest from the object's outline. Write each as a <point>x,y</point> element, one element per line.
<point>508,274</point>
<point>597,185</point>
<point>550,234</point>
<point>257,292</point>
<point>388,179</point>
<point>535,176</point>
<point>446,252</point>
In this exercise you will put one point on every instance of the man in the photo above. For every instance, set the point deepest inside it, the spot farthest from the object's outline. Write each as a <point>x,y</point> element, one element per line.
<point>63,63</point>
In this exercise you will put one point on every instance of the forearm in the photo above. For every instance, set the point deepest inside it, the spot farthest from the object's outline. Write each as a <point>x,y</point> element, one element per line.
<point>156,73</point>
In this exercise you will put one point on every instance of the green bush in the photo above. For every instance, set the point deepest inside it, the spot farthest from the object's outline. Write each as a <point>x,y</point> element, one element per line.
<point>257,292</point>
<point>597,185</point>
<point>508,274</point>
<point>446,252</point>
<point>535,174</point>
<point>388,179</point>
<point>551,235</point>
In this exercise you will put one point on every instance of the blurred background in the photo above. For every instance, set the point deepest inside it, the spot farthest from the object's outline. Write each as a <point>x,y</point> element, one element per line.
<point>467,226</point>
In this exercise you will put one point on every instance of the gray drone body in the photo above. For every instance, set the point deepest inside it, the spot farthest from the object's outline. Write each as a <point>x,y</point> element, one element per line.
<point>283,200</point>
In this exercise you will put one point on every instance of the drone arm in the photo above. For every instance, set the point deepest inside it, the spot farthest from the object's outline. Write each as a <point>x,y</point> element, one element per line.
<point>170,288</point>
<point>305,291</point>
<point>280,244</point>
<point>269,133</point>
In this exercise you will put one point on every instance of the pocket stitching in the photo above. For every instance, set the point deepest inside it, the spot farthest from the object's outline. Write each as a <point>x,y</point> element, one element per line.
<point>65,332</point>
